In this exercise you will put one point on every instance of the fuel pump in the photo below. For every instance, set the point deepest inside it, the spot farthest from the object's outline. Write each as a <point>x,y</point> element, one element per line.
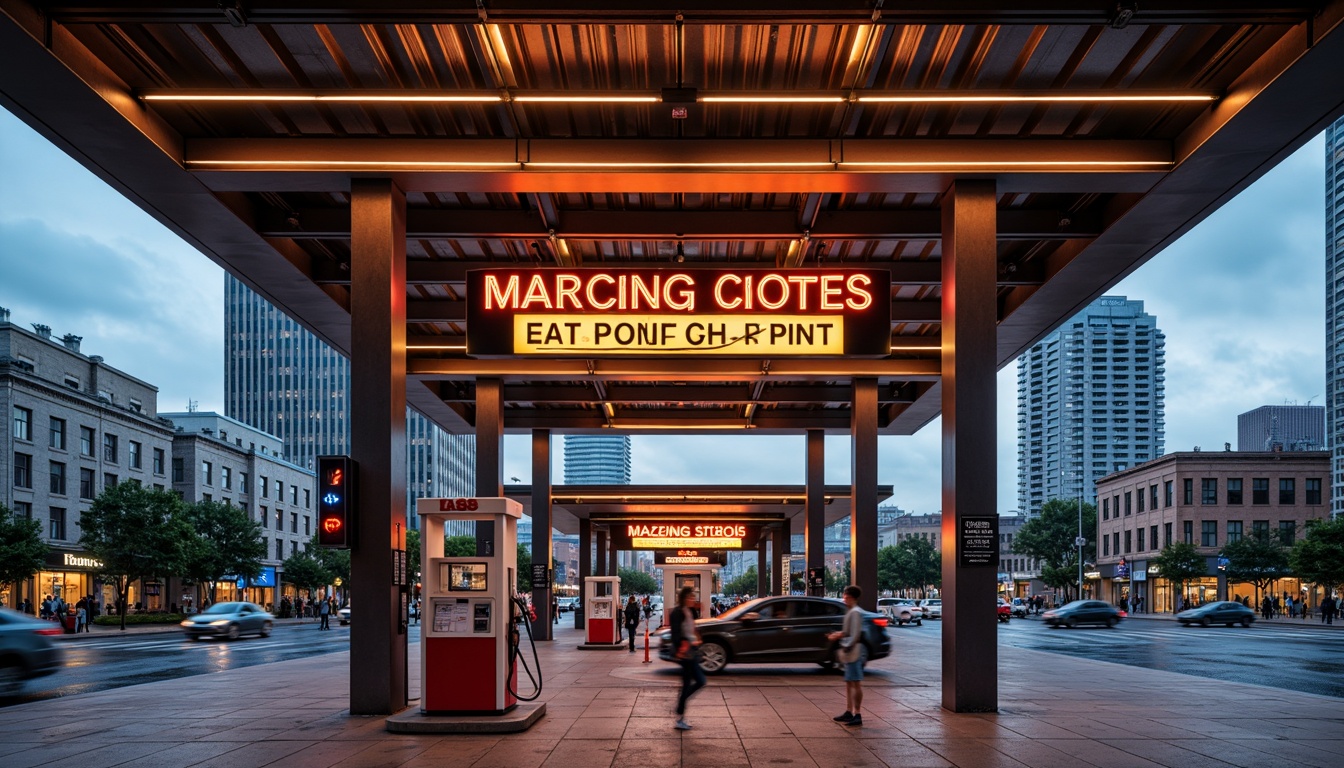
<point>470,641</point>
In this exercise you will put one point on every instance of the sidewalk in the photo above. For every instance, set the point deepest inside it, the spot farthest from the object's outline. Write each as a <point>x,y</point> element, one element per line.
<point>609,709</point>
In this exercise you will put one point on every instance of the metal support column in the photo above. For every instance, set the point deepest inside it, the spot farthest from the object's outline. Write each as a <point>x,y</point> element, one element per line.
<point>863,494</point>
<point>970,317</point>
<point>779,563</point>
<point>613,566</point>
<point>378,442</point>
<point>489,455</point>
<point>542,545</point>
<point>602,551</point>
<point>814,527</point>
<point>585,566</point>
<point>762,566</point>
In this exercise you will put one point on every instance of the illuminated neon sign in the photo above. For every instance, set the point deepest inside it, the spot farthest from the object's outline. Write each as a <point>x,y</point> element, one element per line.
<point>684,536</point>
<point>767,313</point>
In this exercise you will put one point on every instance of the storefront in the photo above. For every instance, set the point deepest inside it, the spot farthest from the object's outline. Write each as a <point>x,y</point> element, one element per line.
<point>67,574</point>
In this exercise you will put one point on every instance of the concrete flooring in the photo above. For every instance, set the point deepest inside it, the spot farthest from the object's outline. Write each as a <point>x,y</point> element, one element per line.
<point>610,709</point>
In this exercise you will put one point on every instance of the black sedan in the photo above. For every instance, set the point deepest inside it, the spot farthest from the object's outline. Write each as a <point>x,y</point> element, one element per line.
<point>1082,612</point>
<point>779,630</point>
<point>1222,612</point>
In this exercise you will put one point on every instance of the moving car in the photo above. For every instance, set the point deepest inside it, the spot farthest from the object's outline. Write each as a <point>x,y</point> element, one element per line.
<point>1082,612</point>
<point>26,650</point>
<point>933,609</point>
<point>343,616</point>
<point>778,630</point>
<point>1020,607</point>
<point>566,604</point>
<point>1005,611</point>
<point>230,620</point>
<point>901,610</point>
<point>1222,612</point>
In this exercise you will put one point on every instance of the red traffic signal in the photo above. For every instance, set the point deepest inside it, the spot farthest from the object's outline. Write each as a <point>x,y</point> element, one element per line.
<point>335,502</point>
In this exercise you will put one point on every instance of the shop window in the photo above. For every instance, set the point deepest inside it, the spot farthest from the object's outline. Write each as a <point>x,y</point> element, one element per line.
<point>1208,491</point>
<point>1260,490</point>
<point>23,470</point>
<point>1287,491</point>
<point>1208,533</point>
<point>1234,491</point>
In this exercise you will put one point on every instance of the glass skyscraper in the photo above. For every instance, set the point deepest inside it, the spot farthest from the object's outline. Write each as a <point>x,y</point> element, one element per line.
<point>1334,310</point>
<point>280,378</point>
<point>1089,402</point>
<point>597,459</point>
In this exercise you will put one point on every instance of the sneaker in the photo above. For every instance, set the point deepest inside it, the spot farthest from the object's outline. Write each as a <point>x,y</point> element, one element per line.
<point>682,725</point>
<point>845,718</point>
<point>856,720</point>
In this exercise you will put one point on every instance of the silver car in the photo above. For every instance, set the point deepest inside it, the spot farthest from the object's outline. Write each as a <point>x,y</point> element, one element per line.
<point>230,620</point>
<point>26,650</point>
<point>933,609</point>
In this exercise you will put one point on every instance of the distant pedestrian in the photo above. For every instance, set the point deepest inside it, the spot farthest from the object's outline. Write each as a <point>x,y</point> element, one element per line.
<point>1328,606</point>
<point>324,612</point>
<point>686,640</point>
<point>631,620</point>
<point>648,608</point>
<point>555,609</point>
<point>81,614</point>
<point>850,638</point>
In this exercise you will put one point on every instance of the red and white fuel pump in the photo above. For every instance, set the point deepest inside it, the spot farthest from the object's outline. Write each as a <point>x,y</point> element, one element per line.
<point>469,643</point>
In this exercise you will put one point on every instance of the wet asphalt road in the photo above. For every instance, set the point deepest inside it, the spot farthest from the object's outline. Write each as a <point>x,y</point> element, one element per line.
<point>1295,658</point>
<point>98,663</point>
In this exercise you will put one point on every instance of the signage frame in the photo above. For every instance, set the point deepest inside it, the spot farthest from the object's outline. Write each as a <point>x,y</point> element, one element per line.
<point>978,541</point>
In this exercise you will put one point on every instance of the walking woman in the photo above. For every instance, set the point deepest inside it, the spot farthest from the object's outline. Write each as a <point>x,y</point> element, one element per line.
<point>687,642</point>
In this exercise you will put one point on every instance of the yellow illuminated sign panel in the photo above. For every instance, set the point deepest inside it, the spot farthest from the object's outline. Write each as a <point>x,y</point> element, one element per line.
<point>765,335</point>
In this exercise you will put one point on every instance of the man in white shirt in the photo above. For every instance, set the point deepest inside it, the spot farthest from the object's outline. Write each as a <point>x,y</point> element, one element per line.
<point>851,656</point>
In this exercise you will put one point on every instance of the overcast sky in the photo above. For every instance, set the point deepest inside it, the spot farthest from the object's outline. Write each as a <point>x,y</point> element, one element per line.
<point>1240,299</point>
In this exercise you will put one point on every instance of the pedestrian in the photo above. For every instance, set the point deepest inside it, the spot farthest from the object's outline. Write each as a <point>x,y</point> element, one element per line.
<point>324,612</point>
<point>81,614</point>
<point>686,640</point>
<point>631,620</point>
<point>850,638</point>
<point>1328,606</point>
<point>648,608</point>
<point>1266,608</point>
<point>298,607</point>
<point>555,609</point>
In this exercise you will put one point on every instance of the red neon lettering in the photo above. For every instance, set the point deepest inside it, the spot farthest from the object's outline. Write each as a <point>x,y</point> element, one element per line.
<point>331,524</point>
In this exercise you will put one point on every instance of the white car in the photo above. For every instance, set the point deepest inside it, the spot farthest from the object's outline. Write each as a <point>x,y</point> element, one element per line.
<point>566,604</point>
<point>933,609</point>
<point>901,610</point>
<point>343,616</point>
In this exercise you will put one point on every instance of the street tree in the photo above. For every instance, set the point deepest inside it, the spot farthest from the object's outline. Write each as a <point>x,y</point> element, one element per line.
<point>226,542</point>
<point>524,568</point>
<point>635,582</point>
<point>1258,560</point>
<point>22,552</point>
<point>1318,558</point>
<point>1180,562</point>
<point>837,579</point>
<point>306,572</point>
<point>459,546</point>
<point>921,565</point>
<point>745,584</point>
<point>1049,539</point>
<point>889,569</point>
<point>413,556</point>
<point>336,561</point>
<point>136,533</point>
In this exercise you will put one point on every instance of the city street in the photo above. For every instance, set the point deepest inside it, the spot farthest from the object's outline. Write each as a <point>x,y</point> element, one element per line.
<point>102,663</point>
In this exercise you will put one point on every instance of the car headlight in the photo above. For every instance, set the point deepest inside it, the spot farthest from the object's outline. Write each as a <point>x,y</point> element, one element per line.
<point>186,623</point>
<point>219,622</point>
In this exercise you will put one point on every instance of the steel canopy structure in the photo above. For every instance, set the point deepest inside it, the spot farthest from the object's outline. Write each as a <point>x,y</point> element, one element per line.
<point>1005,163</point>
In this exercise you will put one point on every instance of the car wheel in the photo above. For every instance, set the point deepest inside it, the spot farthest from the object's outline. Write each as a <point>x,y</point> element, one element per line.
<point>11,679</point>
<point>1245,621</point>
<point>1070,622</point>
<point>1112,621</point>
<point>233,632</point>
<point>713,657</point>
<point>1204,622</point>
<point>266,629</point>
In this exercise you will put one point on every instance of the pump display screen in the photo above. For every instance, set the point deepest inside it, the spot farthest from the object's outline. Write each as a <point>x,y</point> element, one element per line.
<point>463,577</point>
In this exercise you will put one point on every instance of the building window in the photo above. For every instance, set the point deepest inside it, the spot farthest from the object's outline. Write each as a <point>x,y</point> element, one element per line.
<point>86,441</point>
<point>1105,546</point>
<point>1128,541</point>
<point>1166,534</point>
<point>293,547</point>
<point>1115,542</point>
<point>242,482</point>
<point>179,471</point>
<point>1152,536</point>
<point>1129,499</point>
<point>109,480</point>
<point>158,461</point>
<point>265,517</point>
<point>133,454</point>
<point>57,478</point>
<point>23,470</point>
<point>23,424</point>
<point>23,510</point>
<point>57,529</point>
<point>279,519</point>
<point>57,433</point>
<point>207,497</point>
<point>1166,486</point>
<point>279,549</point>
<point>1233,531</point>
<point>264,486</point>
<point>279,491</point>
<point>1287,532</point>
<point>1188,531</point>
<point>1313,490</point>
<point>1152,496</point>
<point>1139,493</point>
<point>226,478</point>
<point>1287,490</point>
<point>308,496</point>
<point>1140,545</point>
<point>1208,533</point>
<point>207,473</point>
<point>137,406</point>
<point>1187,491</point>
<point>293,522</point>
<point>307,526</point>
<point>1260,490</point>
<point>110,448</point>
<point>1105,509</point>
<point>1260,529</point>
<point>1208,491</point>
<point>86,483</point>
<point>294,495</point>
<point>1234,491</point>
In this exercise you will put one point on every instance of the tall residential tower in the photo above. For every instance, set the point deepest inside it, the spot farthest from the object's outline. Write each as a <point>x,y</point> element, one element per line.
<point>597,460</point>
<point>1334,310</point>
<point>1089,402</point>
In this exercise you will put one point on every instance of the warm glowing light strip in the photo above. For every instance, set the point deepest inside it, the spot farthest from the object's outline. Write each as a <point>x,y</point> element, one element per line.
<point>458,347</point>
<point>640,542</point>
<point>782,99</point>
<point>334,165</point>
<point>1008,98</point>
<point>337,164</point>
<point>689,427</point>
<point>589,99</point>
<point>349,97</point>
<point>1010,163</point>
<point>673,164</point>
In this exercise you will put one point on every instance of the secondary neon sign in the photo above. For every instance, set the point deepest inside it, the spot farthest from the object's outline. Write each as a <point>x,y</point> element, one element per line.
<point>769,313</point>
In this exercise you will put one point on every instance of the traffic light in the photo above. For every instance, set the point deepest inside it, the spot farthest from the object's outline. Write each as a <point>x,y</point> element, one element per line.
<point>335,502</point>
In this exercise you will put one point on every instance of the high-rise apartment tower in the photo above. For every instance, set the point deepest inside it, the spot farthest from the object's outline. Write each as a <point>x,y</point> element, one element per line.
<point>597,459</point>
<point>1334,310</point>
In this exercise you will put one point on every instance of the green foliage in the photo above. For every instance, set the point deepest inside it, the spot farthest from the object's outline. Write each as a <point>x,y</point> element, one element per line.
<point>1049,539</point>
<point>335,561</point>
<point>140,618</point>
<point>524,568</point>
<point>413,556</point>
<point>837,580</point>
<point>1179,563</point>
<point>137,533</point>
<point>742,585</point>
<point>305,571</point>
<point>459,546</point>
<point>1257,560</point>
<point>226,543</point>
<point>636,582</point>
<point>1319,557</point>
<point>22,552</point>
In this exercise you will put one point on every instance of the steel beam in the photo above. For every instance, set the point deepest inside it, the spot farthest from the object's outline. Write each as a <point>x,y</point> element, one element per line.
<point>489,455</point>
<point>814,525</point>
<point>688,369</point>
<point>863,474</point>
<point>542,544</point>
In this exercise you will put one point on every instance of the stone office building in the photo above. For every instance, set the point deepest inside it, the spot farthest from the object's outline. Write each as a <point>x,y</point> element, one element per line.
<point>74,426</point>
<point>216,458</point>
<point>1207,499</point>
